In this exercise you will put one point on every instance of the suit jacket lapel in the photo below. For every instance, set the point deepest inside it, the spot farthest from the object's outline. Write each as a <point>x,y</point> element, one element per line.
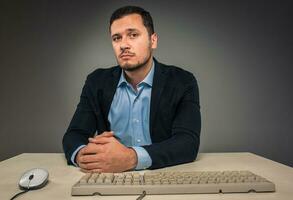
<point>109,92</point>
<point>157,88</point>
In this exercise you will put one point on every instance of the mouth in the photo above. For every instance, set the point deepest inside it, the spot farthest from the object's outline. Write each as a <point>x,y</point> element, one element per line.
<point>126,56</point>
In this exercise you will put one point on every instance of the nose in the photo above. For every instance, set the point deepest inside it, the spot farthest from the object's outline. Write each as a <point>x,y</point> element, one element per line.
<point>124,44</point>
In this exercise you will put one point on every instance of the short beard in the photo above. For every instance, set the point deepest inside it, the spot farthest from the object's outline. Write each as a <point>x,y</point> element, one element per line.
<point>131,68</point>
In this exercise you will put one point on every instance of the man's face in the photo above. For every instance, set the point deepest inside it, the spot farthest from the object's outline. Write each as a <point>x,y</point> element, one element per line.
<point>131,42</point>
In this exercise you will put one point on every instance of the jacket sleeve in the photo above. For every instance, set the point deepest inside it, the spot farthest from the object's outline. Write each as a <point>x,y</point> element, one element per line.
<point>82,125</point>
<point>183,144</point>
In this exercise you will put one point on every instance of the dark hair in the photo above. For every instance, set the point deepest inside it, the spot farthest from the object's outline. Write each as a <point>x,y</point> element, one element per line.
<point>128,10</point>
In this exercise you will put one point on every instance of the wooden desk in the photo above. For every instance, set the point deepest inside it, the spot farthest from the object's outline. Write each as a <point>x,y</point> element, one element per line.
<point>62,176</point>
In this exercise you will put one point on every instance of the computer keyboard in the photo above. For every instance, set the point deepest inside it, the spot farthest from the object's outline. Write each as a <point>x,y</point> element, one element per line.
<point>171,182</point>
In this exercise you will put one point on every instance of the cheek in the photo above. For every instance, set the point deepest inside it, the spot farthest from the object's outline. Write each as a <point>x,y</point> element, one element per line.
<point>142,47</point>
<point>116,49</point>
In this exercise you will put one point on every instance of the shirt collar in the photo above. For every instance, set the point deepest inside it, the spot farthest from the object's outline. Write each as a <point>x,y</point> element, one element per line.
<point>147,80</point>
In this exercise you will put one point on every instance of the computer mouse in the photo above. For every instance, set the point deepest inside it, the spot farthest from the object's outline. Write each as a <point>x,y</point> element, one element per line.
<point>34,179</point>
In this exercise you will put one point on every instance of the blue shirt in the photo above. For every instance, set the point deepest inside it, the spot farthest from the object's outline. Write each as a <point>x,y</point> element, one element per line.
<point>129,117</point>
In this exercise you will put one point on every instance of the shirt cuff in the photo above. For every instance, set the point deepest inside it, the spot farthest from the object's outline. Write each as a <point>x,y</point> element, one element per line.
<point>143,158</point>
<point>74,154</point>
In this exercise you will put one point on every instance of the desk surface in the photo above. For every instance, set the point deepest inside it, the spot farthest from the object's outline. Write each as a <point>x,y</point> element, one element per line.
<point>62,177</point>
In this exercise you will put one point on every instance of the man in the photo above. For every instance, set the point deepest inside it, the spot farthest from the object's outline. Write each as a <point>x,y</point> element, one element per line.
<point>146,114</point>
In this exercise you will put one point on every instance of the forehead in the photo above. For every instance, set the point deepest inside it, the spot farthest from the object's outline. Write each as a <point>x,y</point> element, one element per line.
<point>132,21</point>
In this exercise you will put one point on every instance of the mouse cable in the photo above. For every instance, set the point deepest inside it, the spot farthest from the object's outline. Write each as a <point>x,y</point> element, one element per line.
<point>141,196</point>
<point>22,192</point>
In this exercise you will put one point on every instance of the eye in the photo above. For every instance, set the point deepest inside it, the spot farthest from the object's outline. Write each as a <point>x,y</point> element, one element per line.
<point>133,35</point>
<point>116,38</point>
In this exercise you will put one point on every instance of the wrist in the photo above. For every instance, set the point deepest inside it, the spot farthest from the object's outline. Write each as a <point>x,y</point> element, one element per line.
<point>132,159</point>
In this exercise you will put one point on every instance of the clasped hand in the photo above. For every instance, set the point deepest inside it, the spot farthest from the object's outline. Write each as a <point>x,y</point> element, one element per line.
<point>104,153</point>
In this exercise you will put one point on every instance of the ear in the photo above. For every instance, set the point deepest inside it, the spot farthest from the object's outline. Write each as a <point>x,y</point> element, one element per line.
<point>154,40</point>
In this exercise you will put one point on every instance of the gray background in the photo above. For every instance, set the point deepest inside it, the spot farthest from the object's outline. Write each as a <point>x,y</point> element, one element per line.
<point>240,52</point>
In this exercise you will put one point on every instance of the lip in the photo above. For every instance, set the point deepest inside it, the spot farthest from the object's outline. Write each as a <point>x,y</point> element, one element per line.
<point>126,56</point>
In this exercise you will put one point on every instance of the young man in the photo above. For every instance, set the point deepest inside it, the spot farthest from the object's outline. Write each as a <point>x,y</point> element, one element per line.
<point>146,114</point>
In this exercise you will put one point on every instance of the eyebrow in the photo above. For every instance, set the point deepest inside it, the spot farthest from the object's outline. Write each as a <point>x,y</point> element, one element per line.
<point>127,30</point>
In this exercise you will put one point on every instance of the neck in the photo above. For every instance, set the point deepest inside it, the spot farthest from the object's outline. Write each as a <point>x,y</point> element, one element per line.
<point>135,77</point>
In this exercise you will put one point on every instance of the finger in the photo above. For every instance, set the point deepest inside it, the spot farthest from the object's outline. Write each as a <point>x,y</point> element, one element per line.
<point>101,140</point>
<point>91,171</point>
<point>90,166</point>
<point>84,170</point>
<point>96,170</point>
<point>91,148</point>
<point>105,134</point>
<point>88,158</point>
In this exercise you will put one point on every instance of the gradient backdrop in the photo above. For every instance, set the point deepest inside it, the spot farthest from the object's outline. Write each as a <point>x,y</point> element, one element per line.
<point>240,52</point>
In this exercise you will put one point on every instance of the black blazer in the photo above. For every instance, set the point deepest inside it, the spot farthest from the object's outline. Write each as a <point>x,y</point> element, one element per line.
<point>175,120</point>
